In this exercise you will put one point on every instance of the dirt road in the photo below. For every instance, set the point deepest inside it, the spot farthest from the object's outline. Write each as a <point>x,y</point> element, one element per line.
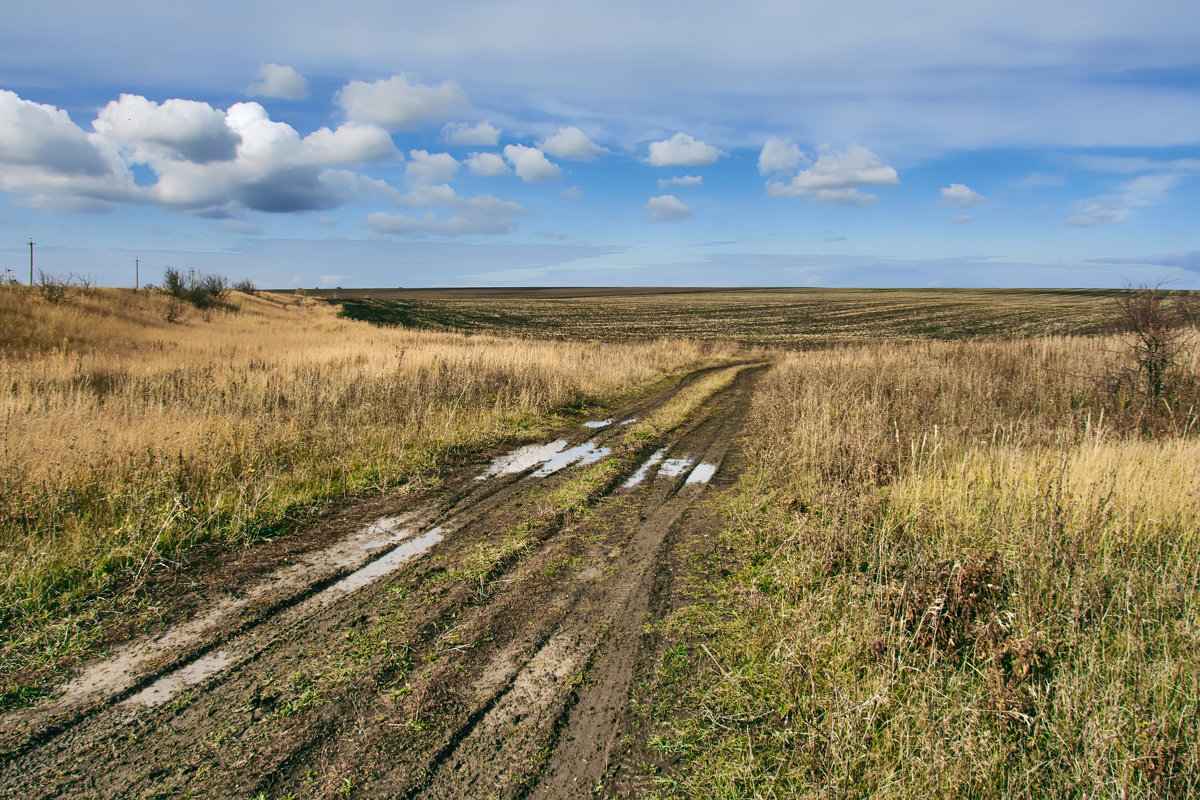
<point>480,641</point>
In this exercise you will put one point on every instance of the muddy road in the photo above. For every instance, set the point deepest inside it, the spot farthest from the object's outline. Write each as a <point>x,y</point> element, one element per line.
<point>482,640</point>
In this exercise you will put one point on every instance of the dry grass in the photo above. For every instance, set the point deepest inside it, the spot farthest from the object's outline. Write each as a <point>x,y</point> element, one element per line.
<point>958,570</point>
<point>127,439</point>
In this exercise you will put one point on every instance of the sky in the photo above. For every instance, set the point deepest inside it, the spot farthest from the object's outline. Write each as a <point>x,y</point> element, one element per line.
<point>556,143</point>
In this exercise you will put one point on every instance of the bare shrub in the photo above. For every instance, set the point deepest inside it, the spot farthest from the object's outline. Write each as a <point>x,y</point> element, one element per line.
<point>53,288</point>
<point>196,288</point>
<point>245,286</point>
<point>1157,322</point>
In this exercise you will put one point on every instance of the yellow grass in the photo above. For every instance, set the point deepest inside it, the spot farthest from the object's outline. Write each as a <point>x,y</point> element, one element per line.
<point>126,437</point>
<point>957,572</point>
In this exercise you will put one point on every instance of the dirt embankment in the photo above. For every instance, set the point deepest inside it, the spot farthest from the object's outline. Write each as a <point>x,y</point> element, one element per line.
<point>482,641</point>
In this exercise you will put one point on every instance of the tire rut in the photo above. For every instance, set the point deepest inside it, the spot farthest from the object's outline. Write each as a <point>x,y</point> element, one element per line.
<point>423,684</point>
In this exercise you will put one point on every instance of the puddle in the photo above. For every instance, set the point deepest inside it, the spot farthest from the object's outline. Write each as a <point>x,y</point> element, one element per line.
<point>381,533</point>
<point>167,686</point>
<point>629,421</point>
<point>673,467</point>
<point>522,459</point>
<point>702,473</point>
<point>585,453</point>
<point>644,469</point>
<point>243,647</point>
<point>600,423</point>
<point>382,566</point>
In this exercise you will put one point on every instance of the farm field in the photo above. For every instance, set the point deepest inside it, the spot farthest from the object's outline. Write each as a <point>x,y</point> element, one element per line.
<point>831,543</point>
<point>791,318</point>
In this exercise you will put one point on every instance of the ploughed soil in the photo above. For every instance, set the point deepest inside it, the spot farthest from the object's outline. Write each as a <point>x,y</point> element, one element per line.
<point>490,638</point>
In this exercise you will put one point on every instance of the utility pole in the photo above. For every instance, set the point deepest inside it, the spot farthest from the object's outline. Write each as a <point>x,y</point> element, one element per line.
<point>136,281</point>
<point>31,261</point>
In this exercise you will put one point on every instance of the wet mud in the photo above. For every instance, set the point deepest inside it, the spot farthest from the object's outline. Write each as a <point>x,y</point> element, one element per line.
<point>476,641</point>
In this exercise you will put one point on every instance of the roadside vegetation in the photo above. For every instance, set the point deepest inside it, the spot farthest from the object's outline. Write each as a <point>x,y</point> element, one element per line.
<point>950,570</point>
<point>136,427</point>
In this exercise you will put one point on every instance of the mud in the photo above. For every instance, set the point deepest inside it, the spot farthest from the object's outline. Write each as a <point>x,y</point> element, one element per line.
<point>473,641</point>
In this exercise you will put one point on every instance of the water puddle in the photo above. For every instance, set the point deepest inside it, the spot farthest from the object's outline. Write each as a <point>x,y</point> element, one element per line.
<point>674,467</point>
<point>600,423</point>
<point>382,566</point>
<point>168,686</point>
<point>585,453</point>
<point>243,647</point>
<point>702,473</point>
<point>522,459</point>
<point>644,469</point>
<point>629,421</point>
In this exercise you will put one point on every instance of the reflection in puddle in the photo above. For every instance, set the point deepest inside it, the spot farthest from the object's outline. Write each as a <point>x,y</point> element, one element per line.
<point>522,459</point>
<point>243,647</point>
<point>702,473</point>
<point>674,467</point>
<point>382,566</point>
<point>600,423</point>
<point>640,475</point>
<point>165,687</point>
<point>585,453</point>
<point>629,421</point>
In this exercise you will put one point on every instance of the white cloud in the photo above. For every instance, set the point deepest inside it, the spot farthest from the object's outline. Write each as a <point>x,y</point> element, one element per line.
<point>666,208</point>
<point>1143,190</point>
<point>681,180</point>
<point>424,167</point>
<point>779,155</point>
<point>572,143</point>
<point>836,177</point>
<point>572,192</point>
<point>681,150</point>
<point>1102,216</point>
<point>958,194</point>
<point>483,214</point>
<point>487,165</point>
<point>1036,179</point>
<point>279,81</point>
<point>482,134</point>
<point>961,219</point>
<point>175,129</point>
<point>351,143</point>
<point>397,103</point>
<point>531,164</point>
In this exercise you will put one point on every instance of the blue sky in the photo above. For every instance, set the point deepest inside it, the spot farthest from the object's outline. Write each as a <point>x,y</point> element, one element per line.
<point>364,143</point>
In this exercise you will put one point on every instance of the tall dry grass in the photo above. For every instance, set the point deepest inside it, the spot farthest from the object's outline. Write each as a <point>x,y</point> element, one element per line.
<point>127,439</point>
<point>958,570</point>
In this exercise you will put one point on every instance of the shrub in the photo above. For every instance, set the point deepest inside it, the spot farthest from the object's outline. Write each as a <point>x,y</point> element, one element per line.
<point>202,291</point>
<point>245,286</point>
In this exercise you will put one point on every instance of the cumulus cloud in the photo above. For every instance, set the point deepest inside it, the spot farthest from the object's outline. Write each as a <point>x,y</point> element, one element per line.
<point>175,129</point>
<point>779,155</point>
<point>50,162</point>
<point>666,208</point>
<point>279,81</point>
<point>351,143</point>
<point>424,167</point>
<point>681,180</point>
<point>483,214</point>
<point>572,143</point>
<point>531,164</point>
<point>482,134</point>
<point>398,103</point>
<point>837,176</point>
<point>958,194</point>
<point>487,165</point>
<point>681,150</point>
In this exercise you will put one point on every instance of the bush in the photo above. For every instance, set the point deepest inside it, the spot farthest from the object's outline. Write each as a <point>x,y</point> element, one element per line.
<point>245,286</point>
<point>202,291</point>
<point>52,288</point>
<point>1158,323</point>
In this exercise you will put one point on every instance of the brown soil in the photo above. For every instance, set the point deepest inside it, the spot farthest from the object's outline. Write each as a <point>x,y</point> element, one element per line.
<point>499,662</point>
